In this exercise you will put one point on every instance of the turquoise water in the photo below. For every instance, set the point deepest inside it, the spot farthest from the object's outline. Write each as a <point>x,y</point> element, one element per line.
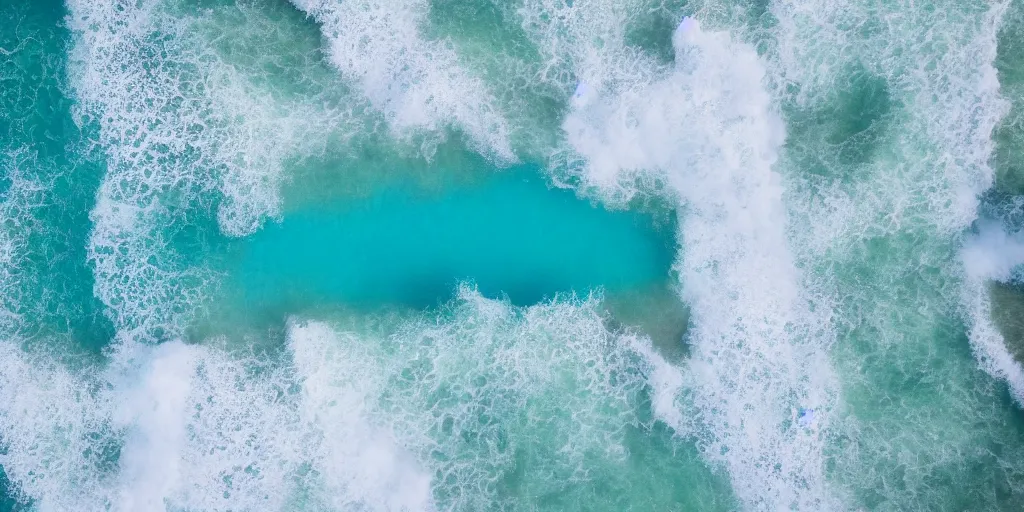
<point>409,248</point>
<point>524,255</point>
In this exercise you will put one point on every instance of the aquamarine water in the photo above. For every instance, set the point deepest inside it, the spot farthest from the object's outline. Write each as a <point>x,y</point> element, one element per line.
<point>414,247</point>
<point>469,255</point>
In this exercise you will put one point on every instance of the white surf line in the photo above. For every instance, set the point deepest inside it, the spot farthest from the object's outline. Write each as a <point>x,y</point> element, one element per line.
<point>417,84</point>
<point>181,131</point>
<point>991,256</point>
<point>759,386</point>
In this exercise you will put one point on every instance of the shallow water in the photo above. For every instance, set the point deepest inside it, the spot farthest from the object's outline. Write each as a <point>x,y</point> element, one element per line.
<point>510,235</point>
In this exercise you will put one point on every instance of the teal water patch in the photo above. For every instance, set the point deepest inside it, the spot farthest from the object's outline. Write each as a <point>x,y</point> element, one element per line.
<point>1008,315</point>
<point>1009,136</point>
<point>1004,202</point>
<point>7,502</point>
<point>510,234</point>
<point>47,183</point>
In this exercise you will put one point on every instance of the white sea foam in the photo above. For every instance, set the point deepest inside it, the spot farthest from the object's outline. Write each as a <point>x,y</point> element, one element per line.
<point>585,42</point>
<point>46,419</point>
<point>706,129</point>
<point>428,415</point>
<point>20,203</point>
<point>940,66</point>
<point>183,132</point>
<point>937,67</point>
<point>30,434</point>
<point>380,422</point>
<point>987,342</point>
<point>362,462</point>
<point>154,410</point>
<point>905,207</point>
<point>418,84</point>
<point>991,254</point>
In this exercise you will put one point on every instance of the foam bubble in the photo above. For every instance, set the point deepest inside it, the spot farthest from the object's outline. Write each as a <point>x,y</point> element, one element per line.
<point>472,395</point>
<point>987,342</point>
<point>418,84</point>
<point>23,195</point>
<point>46,421</point>
<point>20,204</point>
<point>586,42</point>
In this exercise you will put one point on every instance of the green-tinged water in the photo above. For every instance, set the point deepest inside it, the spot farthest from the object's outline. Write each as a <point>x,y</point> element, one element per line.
<point>426,255</point>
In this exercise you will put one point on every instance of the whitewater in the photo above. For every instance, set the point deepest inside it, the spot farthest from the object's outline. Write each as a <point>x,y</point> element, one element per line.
<point>474,255</point>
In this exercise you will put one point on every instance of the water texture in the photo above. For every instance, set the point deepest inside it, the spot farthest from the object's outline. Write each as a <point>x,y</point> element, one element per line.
<point>472,255</point>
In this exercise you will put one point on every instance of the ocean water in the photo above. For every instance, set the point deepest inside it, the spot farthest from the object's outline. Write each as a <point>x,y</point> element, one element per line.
<point>469,255</point>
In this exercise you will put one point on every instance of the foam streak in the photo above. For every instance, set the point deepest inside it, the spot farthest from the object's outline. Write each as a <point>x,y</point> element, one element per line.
<point>707,130</point>
<point>417,84</point>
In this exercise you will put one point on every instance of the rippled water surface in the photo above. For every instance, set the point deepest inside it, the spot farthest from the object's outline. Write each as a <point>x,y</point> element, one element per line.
<point>471,255</point>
